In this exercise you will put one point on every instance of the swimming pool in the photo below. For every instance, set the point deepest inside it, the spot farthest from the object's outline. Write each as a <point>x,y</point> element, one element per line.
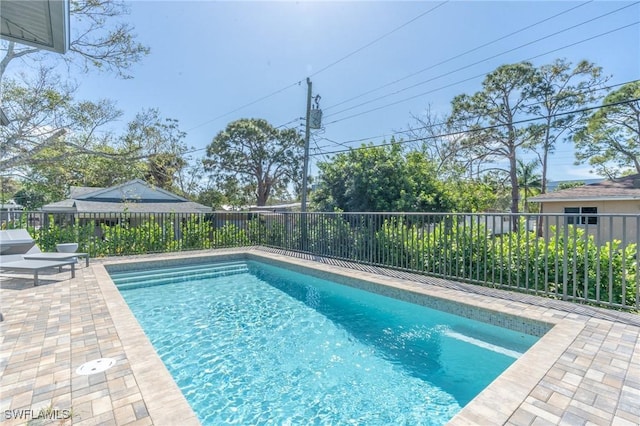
<point>253,343</point>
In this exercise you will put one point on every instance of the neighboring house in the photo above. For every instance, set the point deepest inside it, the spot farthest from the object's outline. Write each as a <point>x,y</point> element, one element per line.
<point>617,199</point>
<point>136,198</point>
<point>9,211</point>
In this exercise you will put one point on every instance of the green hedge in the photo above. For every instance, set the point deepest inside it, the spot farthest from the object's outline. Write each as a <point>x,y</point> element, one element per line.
<point>568,263</point>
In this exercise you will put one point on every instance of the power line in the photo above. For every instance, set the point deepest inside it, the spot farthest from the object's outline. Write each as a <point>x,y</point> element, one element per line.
<point>482,60</point>
<point>379,38</point>
<point>317,148</point>
<point>467,79</point>
<point>612,86</point>
<point>245,105</point>
<point>458,56</point>
<point>280,126</point>
<point>289,122</point>
<point>297,83</point>
<point>495,126</point>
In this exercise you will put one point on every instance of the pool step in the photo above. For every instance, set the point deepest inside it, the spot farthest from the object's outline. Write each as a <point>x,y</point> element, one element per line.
<point>173,272</point>
<point>170,269</point>
<point>171,276</point>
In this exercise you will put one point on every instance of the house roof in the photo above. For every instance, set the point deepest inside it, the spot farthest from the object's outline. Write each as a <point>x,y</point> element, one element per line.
<point>135,196</point>
<point>134,190</point>
<point>39,23</point>
<point>133,207</point>
<point>625,188</point>
<point>78,191</point>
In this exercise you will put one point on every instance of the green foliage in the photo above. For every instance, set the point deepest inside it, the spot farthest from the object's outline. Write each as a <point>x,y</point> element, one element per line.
<point>610,140</point>
<point>468,195</point>
<point>331,234</point>
<point>30,198</point>
<point>490,118</point>
<point>230,235</point>
<point>567,263</point>
<point>568,185</point>
<point>254,156</point>
<point>160,142</point>
<point>57,231</point>
<point>460,249</point>
<point>170,233</point>
<point>197,233</point>
<point>379,179</point>
<point>560,89</point>
<point>151,236</point>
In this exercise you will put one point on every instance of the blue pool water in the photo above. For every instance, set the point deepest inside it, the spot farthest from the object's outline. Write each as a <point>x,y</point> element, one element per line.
<point>251,343</point>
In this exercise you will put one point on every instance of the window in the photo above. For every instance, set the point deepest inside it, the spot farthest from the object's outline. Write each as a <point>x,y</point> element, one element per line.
<point>590,220</point>
<point>581,215</point>
<point>572,220</point>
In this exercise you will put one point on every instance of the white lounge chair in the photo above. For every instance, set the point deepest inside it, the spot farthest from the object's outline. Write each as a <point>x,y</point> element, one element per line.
<point>19,241</point>
<point>19,252</point>
<point>17,263</point>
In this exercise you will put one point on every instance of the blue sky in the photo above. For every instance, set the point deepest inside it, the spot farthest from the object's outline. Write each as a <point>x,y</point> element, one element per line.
<point>209,58</point>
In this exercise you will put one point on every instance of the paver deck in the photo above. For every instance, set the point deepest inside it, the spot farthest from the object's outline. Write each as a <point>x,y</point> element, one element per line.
<point>586,370</point>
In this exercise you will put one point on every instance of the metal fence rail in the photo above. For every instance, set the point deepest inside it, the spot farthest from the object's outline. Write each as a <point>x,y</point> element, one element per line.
<point>585,258</point>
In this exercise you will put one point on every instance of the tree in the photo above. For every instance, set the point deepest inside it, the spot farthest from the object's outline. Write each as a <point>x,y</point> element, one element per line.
<point>380,178</point>
<point>528,180</point>
<point>610,139</point>
<point>150,150</point>
<point>43,113</point>
<point>29,198</point>
<point>468,195</point>
<point>568,185</point>
<point>40,107</point>
<point>254,156</point>
<point>98,40</point>
<point>561,88</point>
<point>160,142</point>
<point>440,141</point>
<point>212,197</point>
<point>491,114</point>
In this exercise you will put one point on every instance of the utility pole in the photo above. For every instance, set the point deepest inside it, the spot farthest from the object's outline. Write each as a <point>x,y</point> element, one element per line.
<point>307,131</point>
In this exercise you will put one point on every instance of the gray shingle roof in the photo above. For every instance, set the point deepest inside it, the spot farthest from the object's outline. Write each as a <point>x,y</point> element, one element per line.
<point>106,207</point>
<point>78,191</point>
<point>82,200</point>
<point>625,188</point>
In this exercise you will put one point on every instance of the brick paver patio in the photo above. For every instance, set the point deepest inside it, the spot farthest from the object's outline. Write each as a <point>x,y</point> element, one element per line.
<point>586,370</point>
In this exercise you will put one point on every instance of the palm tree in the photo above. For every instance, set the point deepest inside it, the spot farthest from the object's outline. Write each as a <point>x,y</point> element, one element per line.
<point>528,179</point>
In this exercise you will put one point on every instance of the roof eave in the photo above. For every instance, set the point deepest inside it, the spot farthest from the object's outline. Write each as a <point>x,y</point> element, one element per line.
<point>54,11</point>
<point>578,199</point>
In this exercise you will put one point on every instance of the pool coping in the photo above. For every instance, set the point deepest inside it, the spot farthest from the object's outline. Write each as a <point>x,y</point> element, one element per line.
<point>497,403</point>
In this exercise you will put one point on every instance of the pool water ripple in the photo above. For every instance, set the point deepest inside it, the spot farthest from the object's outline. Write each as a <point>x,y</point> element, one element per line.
<point>271,346</point>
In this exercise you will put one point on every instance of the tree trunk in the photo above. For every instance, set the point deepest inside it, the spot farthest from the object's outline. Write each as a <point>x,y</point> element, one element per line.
<point>515,190</point>
<point>262,194</point>
<point>543,183</point>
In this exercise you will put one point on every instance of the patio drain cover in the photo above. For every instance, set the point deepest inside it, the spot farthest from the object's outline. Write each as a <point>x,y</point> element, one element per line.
<point>95,366</point>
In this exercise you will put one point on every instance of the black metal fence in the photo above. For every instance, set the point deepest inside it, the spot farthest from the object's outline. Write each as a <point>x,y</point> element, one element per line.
<point>579,257</point>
